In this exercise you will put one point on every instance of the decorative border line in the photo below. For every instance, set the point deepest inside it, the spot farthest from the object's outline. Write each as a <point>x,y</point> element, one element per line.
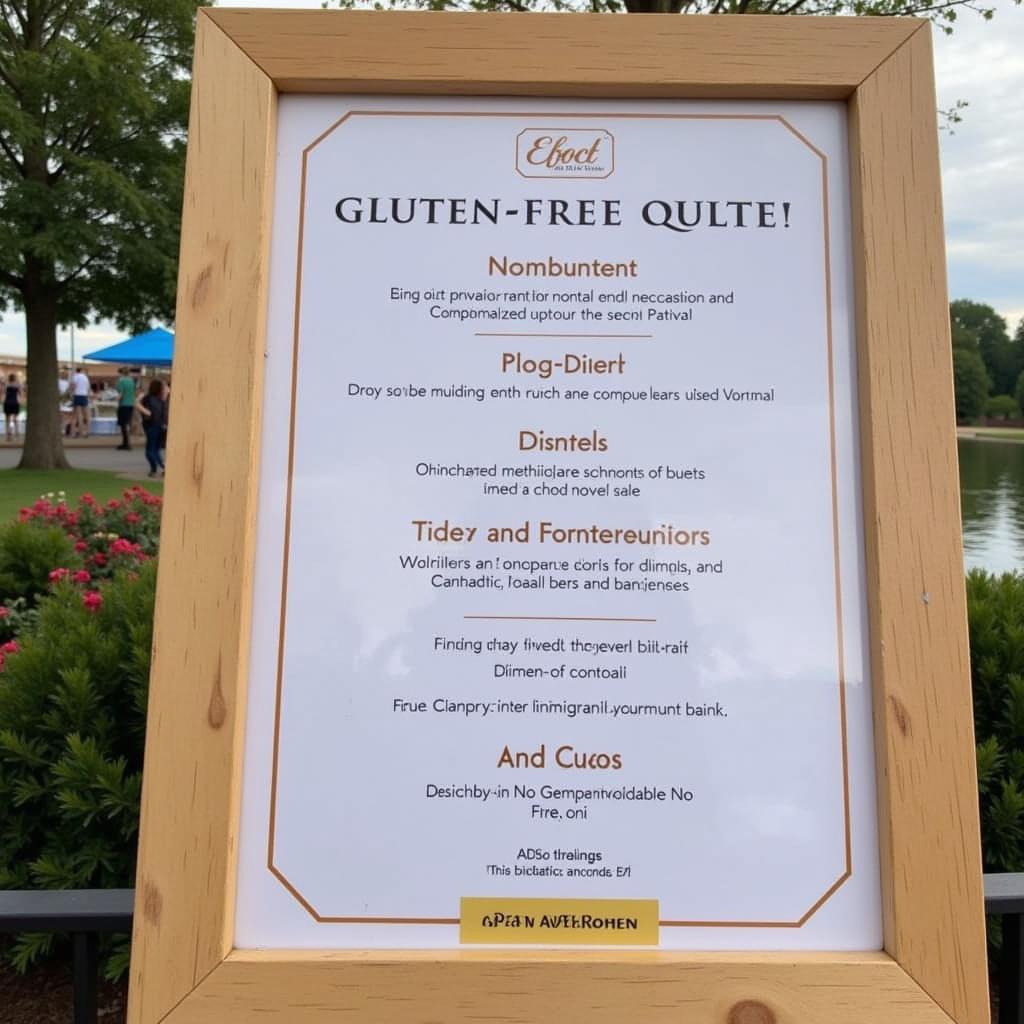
<point>848,867</point>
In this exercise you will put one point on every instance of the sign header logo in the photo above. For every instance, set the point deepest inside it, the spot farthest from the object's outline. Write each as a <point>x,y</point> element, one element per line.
<point>565,153</point>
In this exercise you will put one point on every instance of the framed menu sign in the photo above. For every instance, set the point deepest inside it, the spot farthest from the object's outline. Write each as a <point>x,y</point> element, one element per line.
<point>561,608</point>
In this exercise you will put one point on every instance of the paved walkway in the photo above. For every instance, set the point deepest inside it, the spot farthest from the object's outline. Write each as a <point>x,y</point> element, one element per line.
<point>93,453</point>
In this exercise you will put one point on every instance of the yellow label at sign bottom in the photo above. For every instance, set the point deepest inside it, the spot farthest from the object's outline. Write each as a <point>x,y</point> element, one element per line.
<point>509,921</point>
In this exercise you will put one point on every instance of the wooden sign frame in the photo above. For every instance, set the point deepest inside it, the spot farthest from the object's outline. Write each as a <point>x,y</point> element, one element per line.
<point>933,968</point>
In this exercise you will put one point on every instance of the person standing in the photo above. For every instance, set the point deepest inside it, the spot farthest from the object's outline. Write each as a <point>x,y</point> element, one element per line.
<point>166,393</point>
<point>153,410</point>
<point>80,403</point>
<point>12,406</point>
<point>64,402</point>
<point>125,407</point>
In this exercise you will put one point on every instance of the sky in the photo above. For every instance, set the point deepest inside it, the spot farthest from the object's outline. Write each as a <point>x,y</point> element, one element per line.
<point>982,64</point>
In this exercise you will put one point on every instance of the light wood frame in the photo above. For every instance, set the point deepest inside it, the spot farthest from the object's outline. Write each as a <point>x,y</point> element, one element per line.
<point>932,970</point>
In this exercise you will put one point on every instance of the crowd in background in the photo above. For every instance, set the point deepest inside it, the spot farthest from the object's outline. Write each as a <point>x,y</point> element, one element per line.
<point>151,402</point>
<point>142,408</point>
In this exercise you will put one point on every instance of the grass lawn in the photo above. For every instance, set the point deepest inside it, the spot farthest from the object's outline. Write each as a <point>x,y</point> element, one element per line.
<point>21,487</point>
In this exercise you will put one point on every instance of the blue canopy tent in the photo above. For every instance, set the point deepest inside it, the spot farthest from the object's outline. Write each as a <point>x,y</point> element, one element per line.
<point>153,348</point>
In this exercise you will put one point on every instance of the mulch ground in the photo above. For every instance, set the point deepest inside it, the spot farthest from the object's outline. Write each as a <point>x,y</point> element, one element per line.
<point>43,996</point>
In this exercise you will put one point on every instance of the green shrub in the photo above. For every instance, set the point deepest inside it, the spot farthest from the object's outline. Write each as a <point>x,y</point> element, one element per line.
<point>28,553</point>
<point>995,606</point>
<point>72,724</point>
<point>1002,407</point>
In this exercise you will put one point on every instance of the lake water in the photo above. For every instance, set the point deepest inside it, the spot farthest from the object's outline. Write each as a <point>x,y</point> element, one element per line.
<point>992,504</point>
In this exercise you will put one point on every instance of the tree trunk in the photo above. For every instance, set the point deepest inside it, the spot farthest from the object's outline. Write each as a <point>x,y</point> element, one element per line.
<point>655,6</point>
<point>44,442</point>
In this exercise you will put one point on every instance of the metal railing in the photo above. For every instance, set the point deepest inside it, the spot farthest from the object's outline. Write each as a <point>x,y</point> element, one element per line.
<point>1004,896</point>
<point>86,913</point>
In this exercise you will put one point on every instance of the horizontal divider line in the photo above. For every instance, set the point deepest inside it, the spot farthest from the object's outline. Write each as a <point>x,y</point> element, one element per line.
<point>498,334</point>
<point>558,618</point>
<point>388,920</point>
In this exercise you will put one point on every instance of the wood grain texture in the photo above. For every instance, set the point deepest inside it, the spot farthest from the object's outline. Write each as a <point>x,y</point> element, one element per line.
<point>924,733</point>
<point>185,889</point>
<point>307,987</point>
<point>564,54</point>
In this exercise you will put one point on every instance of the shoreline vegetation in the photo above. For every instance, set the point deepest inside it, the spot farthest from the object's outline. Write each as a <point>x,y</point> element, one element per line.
<point>1013,435</point>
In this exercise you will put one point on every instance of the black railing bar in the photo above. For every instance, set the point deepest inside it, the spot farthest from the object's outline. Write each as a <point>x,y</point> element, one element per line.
<point>67,910</point>
<point>1004,893</point>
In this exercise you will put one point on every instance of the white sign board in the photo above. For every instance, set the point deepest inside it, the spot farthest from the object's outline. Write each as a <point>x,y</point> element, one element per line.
<point>559,582</point>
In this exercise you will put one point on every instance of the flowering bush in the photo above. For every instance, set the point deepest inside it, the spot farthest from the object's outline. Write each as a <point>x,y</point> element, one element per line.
<point>76,621</point>
<point>73,690</point>
<point>7,649</point>
<point>105,538</point>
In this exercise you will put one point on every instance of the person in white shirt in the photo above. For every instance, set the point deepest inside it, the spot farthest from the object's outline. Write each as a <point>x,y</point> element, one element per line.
<point>80,403</point>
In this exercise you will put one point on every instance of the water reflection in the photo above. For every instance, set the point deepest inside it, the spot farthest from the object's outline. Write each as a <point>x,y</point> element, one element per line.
<point>992,504</point>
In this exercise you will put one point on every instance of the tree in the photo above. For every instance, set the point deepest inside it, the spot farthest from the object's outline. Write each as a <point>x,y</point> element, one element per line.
<point>1018,392</point>
<point>1002,407</point>
<point>93,110</point>
<point>979,327</point>
<point>970,383</point>
<point>942,12</point>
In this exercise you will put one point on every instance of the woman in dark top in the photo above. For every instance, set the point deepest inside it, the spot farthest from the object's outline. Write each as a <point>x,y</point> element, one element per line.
<point>153,408</point>
<point>12,406</point>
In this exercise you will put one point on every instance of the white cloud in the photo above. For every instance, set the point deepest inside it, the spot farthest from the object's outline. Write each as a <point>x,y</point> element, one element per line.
<point>983,161</point>
<point>12,336</point>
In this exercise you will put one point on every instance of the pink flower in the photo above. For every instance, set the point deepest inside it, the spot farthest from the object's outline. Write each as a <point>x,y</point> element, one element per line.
<point>88,499</point>
<point>113,503</point>
<point>81,576</point>
<point>92,599</point>
<point>99,558</point>
<point>132,517</point>
<point>59,574</point>
<point>81,546</point>
<point>123,547</point>
<point>11,647</point>
<point>4,612</point>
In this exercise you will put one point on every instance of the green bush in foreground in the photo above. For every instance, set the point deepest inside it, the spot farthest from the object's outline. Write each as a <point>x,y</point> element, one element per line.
<point>995,606</point>
<point>72,725</point>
